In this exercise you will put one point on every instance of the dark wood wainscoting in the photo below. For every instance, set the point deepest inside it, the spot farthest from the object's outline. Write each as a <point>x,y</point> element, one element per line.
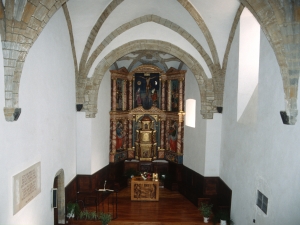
<point>198,188</point>
<point>83,187</point>
<point>195,187</point>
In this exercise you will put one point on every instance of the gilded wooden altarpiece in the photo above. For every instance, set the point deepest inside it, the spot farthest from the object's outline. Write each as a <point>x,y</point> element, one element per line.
<point>147,114</point>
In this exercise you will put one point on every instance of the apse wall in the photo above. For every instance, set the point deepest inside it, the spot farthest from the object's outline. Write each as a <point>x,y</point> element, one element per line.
<point>263,155</point>
<point>45,131</point>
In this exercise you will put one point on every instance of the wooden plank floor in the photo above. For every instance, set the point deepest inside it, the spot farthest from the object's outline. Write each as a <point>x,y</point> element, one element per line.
<point>172,208</point>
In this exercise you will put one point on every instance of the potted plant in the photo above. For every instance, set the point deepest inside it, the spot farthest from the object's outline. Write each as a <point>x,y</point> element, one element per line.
<point>205,211</point>
<point>105,218</point>
<point>92,215</point>
<point>223,217</point>
<point>73,210</point>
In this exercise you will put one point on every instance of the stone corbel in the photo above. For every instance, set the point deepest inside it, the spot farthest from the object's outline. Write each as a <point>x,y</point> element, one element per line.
<point>289,116</point>
<point>12,114</point>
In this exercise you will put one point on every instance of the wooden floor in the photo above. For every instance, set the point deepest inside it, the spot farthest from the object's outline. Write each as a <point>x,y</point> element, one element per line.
<point>172,208</point>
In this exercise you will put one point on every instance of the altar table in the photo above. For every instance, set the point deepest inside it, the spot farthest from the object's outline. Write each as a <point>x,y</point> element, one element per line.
<point>144,190</point>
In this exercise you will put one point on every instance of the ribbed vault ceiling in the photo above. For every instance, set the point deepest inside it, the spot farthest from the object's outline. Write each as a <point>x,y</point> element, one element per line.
<point>109,34</point>
<point>217,16</point>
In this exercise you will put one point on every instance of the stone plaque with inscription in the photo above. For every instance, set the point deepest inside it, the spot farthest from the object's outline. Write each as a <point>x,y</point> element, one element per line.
<point>26,185</point>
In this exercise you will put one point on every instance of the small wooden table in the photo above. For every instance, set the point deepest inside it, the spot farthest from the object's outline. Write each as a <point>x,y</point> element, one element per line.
<point>144,190</point>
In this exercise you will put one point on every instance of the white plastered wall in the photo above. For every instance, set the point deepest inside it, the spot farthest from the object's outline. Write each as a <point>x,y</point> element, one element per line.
<point>101,127</point>
<point>45,130</point>
<point>93,133</point>
<point>264,155</point>
<point>84,148</point>
<point>202,143</point>
<point>213,146</point>
<point>194,138</point>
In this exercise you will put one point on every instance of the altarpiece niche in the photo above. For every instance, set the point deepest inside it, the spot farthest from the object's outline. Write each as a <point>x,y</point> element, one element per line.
<point>147,114</point>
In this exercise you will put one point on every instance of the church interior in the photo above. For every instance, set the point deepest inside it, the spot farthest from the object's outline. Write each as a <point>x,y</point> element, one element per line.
<point>203,93</point>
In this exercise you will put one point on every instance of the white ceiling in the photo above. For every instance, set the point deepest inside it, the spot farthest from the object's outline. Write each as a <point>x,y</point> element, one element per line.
<point>218,16</point>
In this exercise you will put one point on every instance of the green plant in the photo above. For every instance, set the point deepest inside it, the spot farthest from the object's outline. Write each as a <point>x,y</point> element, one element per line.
<point>222,215</point>
<point>205,209</point>
<point>84,215</point>
<point>73,210</point>
<point>105,218</point>
<point>92,215</point>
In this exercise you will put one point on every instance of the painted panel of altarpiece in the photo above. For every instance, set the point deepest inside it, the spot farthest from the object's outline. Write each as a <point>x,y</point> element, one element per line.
<point>147,90</point>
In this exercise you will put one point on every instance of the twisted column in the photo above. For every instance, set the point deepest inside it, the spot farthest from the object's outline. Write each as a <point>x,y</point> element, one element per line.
<point>169,106</point>
<point>162,134</point>
<point>179,146</point>
<point>130,95</point>
<point>163,95</point>
<point>167,136</point>
<point>180,108</point>
<point>124,96</point>
<point>113,137</point>
<point>114,95</point>
<point>125,144</point>
<point>130,134</point>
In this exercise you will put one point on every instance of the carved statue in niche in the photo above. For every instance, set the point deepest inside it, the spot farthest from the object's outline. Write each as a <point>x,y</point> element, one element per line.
<point>119,94</point>
<point>146,141</point>
<point>173,135</point>
<point>175,95</point>
<point>119,135</point>
<point>138,98</point>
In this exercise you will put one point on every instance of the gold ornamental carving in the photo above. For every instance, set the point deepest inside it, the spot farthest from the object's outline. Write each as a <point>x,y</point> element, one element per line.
<point>147,69</point>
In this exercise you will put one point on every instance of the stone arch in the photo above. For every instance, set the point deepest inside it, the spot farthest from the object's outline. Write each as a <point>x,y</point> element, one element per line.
<point>206,86</point>
<point>278,21</point>
<point>144,19</point>
<point>89,43</point>
<point>221,76</point>
<point>199,20</point>
<point>20,25</point>
<point>85,68</point>
<point>60,196</point>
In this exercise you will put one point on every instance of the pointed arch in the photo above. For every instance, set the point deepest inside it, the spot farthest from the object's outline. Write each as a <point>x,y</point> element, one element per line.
<point>206,86</point>
<point>278,22</point>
